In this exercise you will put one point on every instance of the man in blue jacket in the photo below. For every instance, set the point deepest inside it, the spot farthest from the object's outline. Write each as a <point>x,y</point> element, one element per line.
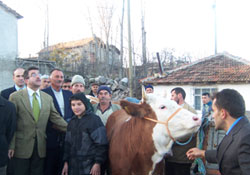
<point>55,139</point>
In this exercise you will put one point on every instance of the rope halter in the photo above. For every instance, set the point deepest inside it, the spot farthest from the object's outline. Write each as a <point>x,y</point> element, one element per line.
<point>166,124</point>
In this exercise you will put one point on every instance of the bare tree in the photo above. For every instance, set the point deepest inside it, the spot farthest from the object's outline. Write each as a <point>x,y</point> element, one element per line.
<point>106,11</point>
<point>121,35</point>
<point>97,67</point>
<point>167,57</point>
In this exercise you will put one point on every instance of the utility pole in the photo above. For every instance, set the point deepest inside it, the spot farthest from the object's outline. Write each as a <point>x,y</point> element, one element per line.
<point>215,28</point>
<point>121,34</point>
<point>144,59</point>
<point>130,53</point>
<point>46,30</point>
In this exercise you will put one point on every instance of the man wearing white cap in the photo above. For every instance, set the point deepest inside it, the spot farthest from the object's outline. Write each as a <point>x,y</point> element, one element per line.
<point>77,84</point>
<point>45,82</point>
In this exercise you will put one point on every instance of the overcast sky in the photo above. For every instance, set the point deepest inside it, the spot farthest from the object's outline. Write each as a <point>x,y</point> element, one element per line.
<point>186,25</point>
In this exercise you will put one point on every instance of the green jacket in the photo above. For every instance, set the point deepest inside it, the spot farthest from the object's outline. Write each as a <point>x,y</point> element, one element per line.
<point>28,129</point>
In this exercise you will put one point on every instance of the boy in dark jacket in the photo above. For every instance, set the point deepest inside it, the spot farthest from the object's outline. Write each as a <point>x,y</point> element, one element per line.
<point>86,142</point>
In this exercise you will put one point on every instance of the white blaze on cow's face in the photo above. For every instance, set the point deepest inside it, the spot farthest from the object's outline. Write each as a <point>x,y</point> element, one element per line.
<point>182,124</point>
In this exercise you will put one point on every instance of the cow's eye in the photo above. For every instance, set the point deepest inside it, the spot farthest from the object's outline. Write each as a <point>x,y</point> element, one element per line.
<point>163,107</point>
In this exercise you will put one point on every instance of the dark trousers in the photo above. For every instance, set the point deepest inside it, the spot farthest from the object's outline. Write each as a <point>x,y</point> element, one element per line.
<point>3,170</point>
<point>32,166</point>
<point>177,168</point>
<point>105,169</point>
<point>10,167</point>
<point>54,161</point>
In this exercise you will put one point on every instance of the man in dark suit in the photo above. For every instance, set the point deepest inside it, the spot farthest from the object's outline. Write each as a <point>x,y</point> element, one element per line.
<point>34,109</point>
<point>233,153</point>
<point>7,129</point>
<point>19,83</point>
<point>55,139</point>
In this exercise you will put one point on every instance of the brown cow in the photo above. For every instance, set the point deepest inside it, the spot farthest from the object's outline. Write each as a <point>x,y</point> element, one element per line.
<point>138,144</point>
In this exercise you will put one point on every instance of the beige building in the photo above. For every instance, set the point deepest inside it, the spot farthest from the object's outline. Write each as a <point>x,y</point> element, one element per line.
<point>90,54</point>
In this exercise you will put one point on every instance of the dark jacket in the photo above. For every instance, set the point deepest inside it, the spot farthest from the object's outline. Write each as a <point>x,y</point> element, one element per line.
<point>85,143</point>
<point>7,128</point>
<point>6,92</point>
<point>207,109</point>
<point>233,153</point>
<point>91,93</point>
<point>53,136</point>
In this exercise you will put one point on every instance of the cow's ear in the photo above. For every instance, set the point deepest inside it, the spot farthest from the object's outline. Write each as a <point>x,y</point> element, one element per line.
<point>136,110</point>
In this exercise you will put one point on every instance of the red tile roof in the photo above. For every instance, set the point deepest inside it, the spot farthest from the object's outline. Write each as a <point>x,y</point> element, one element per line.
<point>220,68</point>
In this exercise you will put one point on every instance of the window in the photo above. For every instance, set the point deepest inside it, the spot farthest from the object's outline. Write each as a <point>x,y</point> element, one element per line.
<point>198,93</point>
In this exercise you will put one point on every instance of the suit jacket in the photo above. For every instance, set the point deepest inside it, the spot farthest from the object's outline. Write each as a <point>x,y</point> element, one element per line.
<point>53,135</point>
<point>28,129</point>
<point>233,153</point>
<point>6,92</point>
<point>7,128</point>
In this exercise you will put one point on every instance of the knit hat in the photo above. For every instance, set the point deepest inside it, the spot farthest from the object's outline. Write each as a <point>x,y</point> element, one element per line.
<point>149,86</point>
<point>102,87</point>
<point>81,96</point>
<point>77,79</point>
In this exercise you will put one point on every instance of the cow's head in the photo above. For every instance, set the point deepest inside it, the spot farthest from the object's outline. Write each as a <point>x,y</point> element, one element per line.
<point>182,124</point>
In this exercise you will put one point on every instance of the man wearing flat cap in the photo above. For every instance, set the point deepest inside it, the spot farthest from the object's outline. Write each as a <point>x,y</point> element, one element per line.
<point>94,89</point>
<point>104,108</point>
<point>77,84</point>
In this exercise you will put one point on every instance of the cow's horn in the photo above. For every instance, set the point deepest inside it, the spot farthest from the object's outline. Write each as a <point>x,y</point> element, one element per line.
<point>144,96</point>
<point>165,94</point>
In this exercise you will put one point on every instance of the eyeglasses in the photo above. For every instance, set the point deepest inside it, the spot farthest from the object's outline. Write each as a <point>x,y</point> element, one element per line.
<point>35,75</point>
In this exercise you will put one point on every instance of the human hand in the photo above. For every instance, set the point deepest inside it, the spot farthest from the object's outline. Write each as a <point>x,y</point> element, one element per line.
<point>10,153</point>
<point>65,169</point>
<point>194,153</point>
<point>96,169</point>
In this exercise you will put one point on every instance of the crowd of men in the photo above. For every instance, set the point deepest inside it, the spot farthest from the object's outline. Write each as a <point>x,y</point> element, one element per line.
<point>35,113</point>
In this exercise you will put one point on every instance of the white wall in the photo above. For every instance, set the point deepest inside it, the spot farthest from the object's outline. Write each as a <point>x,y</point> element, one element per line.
<point>8,47</point>
<point>163,90</point>
<point>6,73</point>
<point>8,35</point>
<point>243,89</point>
